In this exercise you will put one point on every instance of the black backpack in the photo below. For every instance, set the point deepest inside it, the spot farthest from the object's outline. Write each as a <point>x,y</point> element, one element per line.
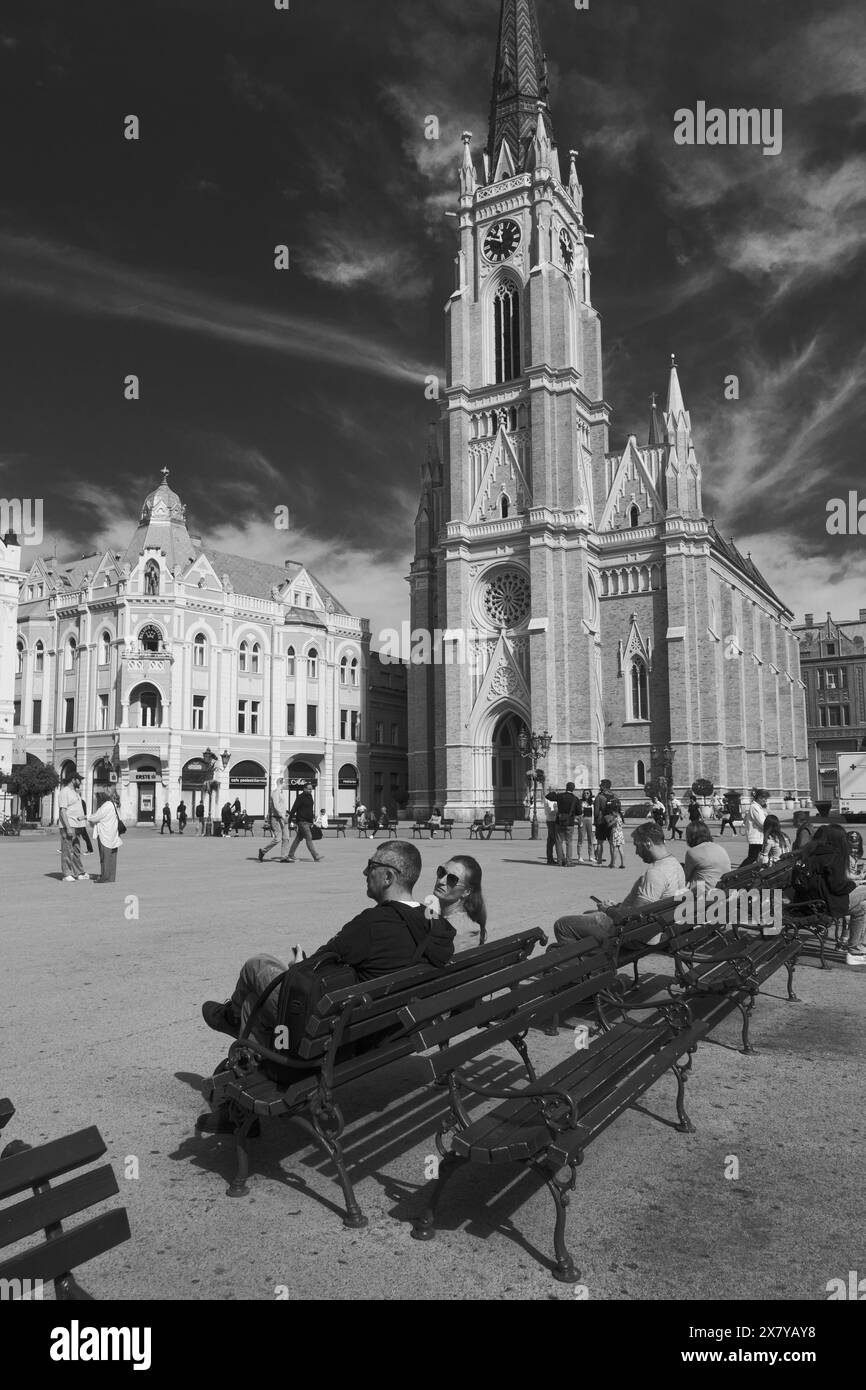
<point>807,880</point>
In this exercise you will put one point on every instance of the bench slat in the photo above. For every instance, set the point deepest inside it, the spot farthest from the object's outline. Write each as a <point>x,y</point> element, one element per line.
<point>53,1258</point>
<point>23,1218</point>
<point>49,1160</point>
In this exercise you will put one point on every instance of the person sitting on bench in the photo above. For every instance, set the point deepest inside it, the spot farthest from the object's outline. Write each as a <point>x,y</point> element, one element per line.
<point>378,941</point>
<point>663,878</point>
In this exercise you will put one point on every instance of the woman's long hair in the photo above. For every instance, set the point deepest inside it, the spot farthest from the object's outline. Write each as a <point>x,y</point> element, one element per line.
<point>833,836</point>
<point>474,905</point>
<point>773,826</point>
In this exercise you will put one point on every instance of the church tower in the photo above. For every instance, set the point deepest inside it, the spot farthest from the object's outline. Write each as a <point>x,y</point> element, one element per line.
<point>503,567</point>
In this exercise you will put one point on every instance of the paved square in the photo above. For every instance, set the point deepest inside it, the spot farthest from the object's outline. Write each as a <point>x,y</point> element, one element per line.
<point>103,987</point>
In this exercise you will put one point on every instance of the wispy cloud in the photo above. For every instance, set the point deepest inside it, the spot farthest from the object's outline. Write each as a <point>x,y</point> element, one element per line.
<point>81,282</point>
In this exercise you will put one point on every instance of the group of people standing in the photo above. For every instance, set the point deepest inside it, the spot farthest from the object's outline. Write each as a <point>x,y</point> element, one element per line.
<point>74,820</point>
<point>598,820</point>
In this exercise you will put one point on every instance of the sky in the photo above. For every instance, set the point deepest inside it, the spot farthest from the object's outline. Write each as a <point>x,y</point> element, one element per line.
<point>306,388</point>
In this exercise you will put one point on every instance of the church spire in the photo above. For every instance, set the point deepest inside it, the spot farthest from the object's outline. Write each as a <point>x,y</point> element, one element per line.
<point>520,83</point>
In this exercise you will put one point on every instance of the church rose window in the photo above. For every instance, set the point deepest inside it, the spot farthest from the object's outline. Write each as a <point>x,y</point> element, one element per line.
<point>506,599</point>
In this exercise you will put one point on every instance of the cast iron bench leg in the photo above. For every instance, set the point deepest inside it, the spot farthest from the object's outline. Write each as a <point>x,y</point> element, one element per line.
<point>681,1072</point>
<point>790,966</point>
<point>328,1125</point>
<point>238,1186</point>
<point>519,1045</point>
<point>424,1224</point>
<point>746,1010</point>
<point>564,1270</point>
<point>822,937</point>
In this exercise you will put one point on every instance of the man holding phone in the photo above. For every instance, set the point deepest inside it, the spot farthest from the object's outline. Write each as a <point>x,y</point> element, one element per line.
<point>663,878</point>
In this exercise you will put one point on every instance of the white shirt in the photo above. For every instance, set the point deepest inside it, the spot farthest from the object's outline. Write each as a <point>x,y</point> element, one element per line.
<point>104,824</point>
<point>754,818</point>
<point>322,821</point>
<point>70,802</point>
<point>278,800</point>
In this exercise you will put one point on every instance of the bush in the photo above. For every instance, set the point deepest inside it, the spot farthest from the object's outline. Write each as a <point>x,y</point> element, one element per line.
<point>639,811</point>
<point>703,787</point>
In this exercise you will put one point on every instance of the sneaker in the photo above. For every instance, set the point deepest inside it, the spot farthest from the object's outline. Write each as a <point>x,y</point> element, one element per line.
<point>221,1017</point>
<point>69,878</point>
<point>855,959</point>
<point>318,859</point>
<point>261,856</point>
<point>83,876</point>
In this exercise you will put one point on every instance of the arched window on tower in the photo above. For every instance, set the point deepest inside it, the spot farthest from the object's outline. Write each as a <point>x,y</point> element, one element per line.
<point>503,507</point>
<point>638,689</point>
<point>256,659</point>
<point>506,331</point>
<point>105,649</point>
<point>69,655</point>
<point>313,665</point>
<point>19,658</point>
<point>634,516</point>
<point>640,773</point>
<point>150,638</point>
<point>344,671</point>
<point>39,658</point>
<point>244,656</point>
<point>199,650</point>
<point>290,663</point>
<point>354,670</point>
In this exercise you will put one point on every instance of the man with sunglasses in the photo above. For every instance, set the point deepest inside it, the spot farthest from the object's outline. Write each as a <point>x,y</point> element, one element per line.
<point>391,935</point>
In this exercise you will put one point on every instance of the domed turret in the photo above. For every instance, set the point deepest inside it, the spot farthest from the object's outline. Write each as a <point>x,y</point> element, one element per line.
<point>162,504</point>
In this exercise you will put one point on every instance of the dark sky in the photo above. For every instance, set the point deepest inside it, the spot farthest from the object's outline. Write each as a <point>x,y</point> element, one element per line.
<point>306,388</point>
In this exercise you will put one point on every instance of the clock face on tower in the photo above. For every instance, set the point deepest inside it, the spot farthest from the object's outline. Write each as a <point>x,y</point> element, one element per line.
<point>566,247</point>
<point>501,241</point>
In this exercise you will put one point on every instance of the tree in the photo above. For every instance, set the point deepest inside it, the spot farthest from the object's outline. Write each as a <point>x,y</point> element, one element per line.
<point>703,787</point>
<point>31,782</point>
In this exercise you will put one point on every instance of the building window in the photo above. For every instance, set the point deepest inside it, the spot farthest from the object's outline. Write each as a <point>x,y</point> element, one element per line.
<point>69,716</point>
<point>830,679</point>
<point>395,735</point>
<point>379,732</point>
<point>355,728</point>
<point>819,679</point>
<point>19,658</point>
<point>105,649</point>
<point>506,330</point>
<point>290,663</point>
<point>355,671</point>
<point>244,656</point>
<point>36,721</point>
<point>290,720</point>
<point>312,721</point>
<point>39,659</point>
<point>344,671</point>
<point>344,724</point>
<point>255,706</point>
<point>639,773</point>
<point>199,650</point>
<point>149,704</point>
<point>638,687</point>
<point>256,659</point>
<point>242,716</point>
<point>308,601</point>
<point>198,708</point>
<point>16,713</point>
<point>150,638</point>
<point>830,649</point>
<point>102,713</point>
<point>69,655</point>
<point>634,516</point>
<point>395,783</point>
<point>835,716</point>
<point>313,665</point>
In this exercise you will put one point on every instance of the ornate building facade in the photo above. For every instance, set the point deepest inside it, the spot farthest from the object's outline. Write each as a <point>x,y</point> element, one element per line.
<point>586,589</point>
<point>10,562</point>
<point>833,658</point>
<point>133,664</point>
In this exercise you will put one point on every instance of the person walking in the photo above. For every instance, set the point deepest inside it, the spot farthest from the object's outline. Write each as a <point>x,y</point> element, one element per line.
<point>303,813</point>
<point>181,818</point>
<point>732,813</point>
<point>199,815</point>
<point>71,815</point>
<point>599,810</point>
<point>166,820</point>
<point>280,821</point>
<point>675,815</point>
<point>106,828</point>
<point>616,825</point>
<point>226,818</point>
<point>695,812</point>
<point>550,818</point>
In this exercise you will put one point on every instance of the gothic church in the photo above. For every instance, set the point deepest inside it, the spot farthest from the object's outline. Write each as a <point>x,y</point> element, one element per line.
<point>601,604</point>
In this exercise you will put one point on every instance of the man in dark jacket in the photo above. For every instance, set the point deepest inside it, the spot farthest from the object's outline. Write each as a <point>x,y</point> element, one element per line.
<point>379,940</point>
<point>567,807</point>
<point>599,811</point>
<point>304,814</point>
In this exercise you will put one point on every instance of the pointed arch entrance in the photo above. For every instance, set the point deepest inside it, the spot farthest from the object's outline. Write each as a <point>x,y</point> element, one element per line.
<point>506,768</point>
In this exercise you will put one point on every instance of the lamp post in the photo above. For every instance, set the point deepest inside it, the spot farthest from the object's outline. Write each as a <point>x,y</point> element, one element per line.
<point>663,756</point>
<point>534,746</point>
<point>210,759</point>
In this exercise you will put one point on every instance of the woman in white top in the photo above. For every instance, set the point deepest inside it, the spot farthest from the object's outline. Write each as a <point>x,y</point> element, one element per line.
<point>458,897</point>
<point>105,822</point>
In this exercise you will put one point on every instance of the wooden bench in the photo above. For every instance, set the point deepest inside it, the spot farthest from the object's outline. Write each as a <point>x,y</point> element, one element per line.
<point>548,1123</point>
<point>338,825</point>
<point>445,826</point>
<point>479,831</point>
<point>258,1082</point>
<point>62,1251</point>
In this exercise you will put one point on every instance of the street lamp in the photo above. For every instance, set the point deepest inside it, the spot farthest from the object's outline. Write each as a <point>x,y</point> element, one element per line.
<point>663,756</point>
<point>534,746</point>
<point>210,760</point>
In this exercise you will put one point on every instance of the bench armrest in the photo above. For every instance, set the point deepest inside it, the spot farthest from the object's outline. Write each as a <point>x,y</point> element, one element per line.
<point>535,1091</point>
<point>675,1011</point>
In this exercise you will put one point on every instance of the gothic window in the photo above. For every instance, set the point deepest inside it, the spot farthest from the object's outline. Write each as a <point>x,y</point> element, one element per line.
<point>354,670</point>
<point>150,638</point>
<point>344,671</point>
<point>39,659</point>
<point>639,773</point>
<point>506,599</point>
<point>634,516</point>
<point>290,663</point>
<point>151,578</point>
<point>244,656</point>
<point>69,654</point>
<point>199,650</point>
<point>313,665</point>
<point>19,658</point>
<point>256,659</point>
<point>503,507</point>
<point>638,689</point>
<point>105,649</point>
<point>506,330</point>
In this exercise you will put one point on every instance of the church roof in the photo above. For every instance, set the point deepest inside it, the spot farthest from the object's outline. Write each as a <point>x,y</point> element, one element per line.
<point>744,563</point>
<point>519,83</point>
<point>256,578</point>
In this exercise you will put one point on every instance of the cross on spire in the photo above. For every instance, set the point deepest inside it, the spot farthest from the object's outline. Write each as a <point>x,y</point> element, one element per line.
<point>165,472</point>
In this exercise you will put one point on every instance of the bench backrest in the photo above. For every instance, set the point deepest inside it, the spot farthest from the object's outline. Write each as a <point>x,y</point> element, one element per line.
<point>62,1251</point>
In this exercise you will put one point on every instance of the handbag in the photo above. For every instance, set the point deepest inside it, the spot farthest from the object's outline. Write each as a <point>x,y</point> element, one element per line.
<point>121,826</point>
<point>316,832</point>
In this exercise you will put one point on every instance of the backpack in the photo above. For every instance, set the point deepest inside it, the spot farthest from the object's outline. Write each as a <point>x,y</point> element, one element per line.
<point>305,985</point>
<point>807,881</point>
<point>564,819</point>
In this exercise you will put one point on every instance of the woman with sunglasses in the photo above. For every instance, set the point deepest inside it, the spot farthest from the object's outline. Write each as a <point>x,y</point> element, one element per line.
<point>458,897</point>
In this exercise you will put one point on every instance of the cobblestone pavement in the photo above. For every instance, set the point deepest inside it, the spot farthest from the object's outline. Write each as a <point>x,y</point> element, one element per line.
<point>103,987</point>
